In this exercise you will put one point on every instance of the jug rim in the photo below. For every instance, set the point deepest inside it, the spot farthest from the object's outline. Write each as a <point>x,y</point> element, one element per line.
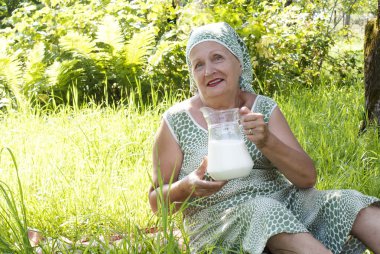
<point>218,111</point>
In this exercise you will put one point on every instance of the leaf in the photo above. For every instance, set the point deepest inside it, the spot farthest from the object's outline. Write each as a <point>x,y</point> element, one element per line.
<point>62,74</point>
<point>139,47</point>
<point>11,73</point>
<point>53,72</point>
<point>77,44</point>
<point>35,67</point>
<point>162,49</point>
<point>109,32</point>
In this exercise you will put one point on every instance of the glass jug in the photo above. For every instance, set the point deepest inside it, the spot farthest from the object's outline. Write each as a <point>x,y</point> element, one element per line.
<point>228,156</point>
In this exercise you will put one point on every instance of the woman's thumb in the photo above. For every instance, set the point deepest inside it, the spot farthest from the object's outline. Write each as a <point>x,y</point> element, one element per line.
<point>244,110</point>
<point>202,167</point>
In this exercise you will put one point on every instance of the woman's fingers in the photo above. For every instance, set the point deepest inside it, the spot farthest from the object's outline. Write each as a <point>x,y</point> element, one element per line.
<point>254,126</point>
<point>253,122</point>
<point>207,188</point>
<point>201,171</point>
<point>203,187</point>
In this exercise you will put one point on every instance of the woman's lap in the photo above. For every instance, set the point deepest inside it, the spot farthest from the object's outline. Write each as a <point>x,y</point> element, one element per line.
<point>328,215</point>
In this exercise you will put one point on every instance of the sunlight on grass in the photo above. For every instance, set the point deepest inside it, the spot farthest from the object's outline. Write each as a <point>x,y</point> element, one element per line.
<point>85,173</point>
<point>326,121</point>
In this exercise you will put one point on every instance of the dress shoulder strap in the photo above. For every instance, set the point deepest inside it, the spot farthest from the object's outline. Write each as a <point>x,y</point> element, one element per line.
<point>264,105</point>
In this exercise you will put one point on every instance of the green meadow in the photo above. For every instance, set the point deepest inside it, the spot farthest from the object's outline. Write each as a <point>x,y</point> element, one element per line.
<point>84,84</point>
<point>81,175</point>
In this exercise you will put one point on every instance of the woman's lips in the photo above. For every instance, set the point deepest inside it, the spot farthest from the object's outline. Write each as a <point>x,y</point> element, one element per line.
<point>214,82</point>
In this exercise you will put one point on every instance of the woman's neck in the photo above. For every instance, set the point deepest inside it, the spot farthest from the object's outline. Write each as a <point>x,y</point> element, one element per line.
<point>223,103</point>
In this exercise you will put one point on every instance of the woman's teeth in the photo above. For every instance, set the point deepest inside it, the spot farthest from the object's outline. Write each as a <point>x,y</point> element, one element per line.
<point>214,82</point>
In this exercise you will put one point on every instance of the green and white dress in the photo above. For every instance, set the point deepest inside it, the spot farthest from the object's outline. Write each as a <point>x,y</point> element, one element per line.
<point>246,212</point>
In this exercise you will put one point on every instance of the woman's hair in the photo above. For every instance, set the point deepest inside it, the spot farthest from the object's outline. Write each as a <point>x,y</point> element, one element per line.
<point>225,35</point>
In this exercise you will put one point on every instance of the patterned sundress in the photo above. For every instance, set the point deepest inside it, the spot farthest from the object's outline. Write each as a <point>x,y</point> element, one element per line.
<point>246,212</point>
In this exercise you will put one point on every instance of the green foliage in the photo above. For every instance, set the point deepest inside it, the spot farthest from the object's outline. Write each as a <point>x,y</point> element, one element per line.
<point>59,47</point>
<point>343,69</point>
<point>63,50</point>
<point>288,46</point>
<point>7,7</point>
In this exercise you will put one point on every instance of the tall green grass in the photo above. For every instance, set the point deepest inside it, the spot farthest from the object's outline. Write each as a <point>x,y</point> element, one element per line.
<point>326,120</point>
<point>85,172</point>
<point>13,224</point>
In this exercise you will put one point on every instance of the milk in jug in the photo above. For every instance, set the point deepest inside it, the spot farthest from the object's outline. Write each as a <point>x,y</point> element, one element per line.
<point>228,156</point>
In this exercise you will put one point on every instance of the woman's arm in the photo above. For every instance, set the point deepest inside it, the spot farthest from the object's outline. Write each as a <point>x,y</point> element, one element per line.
<point>277,142</point>
<point>167,162</point>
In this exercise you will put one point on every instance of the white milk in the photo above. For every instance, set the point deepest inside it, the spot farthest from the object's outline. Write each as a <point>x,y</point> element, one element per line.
<point>228,159</point>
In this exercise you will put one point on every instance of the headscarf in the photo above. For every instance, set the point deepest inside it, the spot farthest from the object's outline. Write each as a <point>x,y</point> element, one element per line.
<point>225,35</point>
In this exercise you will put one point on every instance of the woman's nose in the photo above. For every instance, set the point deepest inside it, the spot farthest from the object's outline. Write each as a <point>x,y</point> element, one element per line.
<point>209,70</point>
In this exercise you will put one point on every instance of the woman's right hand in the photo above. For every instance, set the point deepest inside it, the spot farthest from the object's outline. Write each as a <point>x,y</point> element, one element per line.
<point>195,184</point>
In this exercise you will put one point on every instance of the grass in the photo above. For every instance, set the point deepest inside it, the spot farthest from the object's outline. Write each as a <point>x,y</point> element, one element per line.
<point>85,173</point>
<point>326,121</point>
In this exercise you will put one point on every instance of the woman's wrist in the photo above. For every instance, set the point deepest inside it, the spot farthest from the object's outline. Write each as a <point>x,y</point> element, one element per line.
<point>266,143</point>
<point>182,190</point>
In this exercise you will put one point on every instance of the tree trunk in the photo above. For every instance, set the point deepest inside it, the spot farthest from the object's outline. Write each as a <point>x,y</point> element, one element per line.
<point>347,19</point>
<point>372,74</point>
<point>378,13</point>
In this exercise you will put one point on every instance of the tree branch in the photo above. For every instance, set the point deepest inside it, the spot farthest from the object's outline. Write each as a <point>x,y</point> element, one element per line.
<point>288,2</point>
<point>378,13</point>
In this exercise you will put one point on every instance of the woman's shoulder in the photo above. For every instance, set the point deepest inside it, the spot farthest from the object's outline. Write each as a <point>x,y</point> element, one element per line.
<point>252,100</point>
<point>179,107</point>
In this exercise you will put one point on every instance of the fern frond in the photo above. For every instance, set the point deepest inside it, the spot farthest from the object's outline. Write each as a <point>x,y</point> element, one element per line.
<point>34,66</point>
<point>11,74</point>
<point>52,73</point>
<point>139,47</point>
<point>78,44</point>
<point>62,74</point>
<point>109,32</point>
<point>162,49</point>
<point>11,70</point>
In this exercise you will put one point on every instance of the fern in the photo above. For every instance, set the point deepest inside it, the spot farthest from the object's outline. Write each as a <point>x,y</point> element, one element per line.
<point>109,32</point>
<point>34,66</point>
<point>52,73</point>
<point>139,47</point>
<point>78,44</point>
<point>163,48</point>
<point>63,74</point>
<point>11,74</point>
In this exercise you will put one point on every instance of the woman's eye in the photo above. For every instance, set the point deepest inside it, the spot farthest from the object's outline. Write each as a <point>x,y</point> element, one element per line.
<point>198,65</point>
<point>218,57</point>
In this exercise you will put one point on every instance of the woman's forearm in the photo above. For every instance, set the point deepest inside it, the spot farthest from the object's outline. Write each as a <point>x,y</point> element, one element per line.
<point>294,164</point>
<point>168,194</point>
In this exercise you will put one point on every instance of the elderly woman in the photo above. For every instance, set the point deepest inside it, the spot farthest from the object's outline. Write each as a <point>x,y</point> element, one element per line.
<point>275,207</point>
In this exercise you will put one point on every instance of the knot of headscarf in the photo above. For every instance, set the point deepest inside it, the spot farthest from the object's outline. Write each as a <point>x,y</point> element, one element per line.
<point>225,35</point>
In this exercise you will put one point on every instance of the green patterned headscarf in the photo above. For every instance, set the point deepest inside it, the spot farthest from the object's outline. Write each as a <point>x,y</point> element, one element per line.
<point>225,35</point>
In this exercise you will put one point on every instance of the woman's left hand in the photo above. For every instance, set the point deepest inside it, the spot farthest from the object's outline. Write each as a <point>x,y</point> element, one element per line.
<point>254,126</point>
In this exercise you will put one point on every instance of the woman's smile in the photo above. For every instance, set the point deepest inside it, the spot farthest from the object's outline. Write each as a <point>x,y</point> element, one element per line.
<point>214,82</point>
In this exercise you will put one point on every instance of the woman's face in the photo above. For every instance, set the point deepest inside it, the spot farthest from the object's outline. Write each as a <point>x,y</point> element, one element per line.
<point>215,69</point>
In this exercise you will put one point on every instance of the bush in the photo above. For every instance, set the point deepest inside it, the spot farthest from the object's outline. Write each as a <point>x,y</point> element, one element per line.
<point>77,51</point>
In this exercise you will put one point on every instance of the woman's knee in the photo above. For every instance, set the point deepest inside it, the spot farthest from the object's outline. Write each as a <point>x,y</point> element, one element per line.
<point>365,218</point>
<point>286,243</point>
